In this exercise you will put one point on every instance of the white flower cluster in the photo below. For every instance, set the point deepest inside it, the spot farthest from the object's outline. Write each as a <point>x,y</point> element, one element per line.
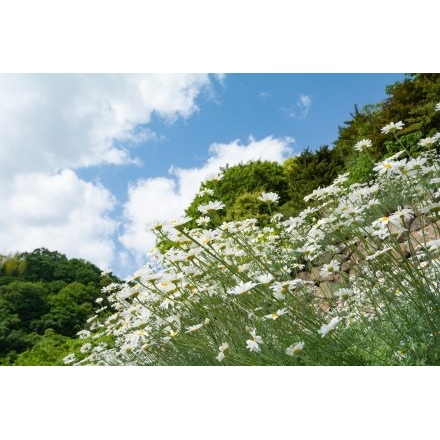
<point>221,284</point>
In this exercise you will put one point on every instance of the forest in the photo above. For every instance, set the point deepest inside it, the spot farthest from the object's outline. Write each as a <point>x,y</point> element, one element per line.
<point>45,300</point>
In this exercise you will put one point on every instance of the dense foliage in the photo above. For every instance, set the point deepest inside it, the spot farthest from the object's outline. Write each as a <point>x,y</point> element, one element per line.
<point>412,101</point>
<point>45,299</point>
<point>238,188</point>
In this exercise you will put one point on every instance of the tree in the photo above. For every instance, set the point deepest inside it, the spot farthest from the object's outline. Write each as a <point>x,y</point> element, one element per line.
<point>50,349</point>
<point>251,179</point>
<point>70,308</point>
<point>411,101</point>
<point>9,322</point>
<point>27,300</point>
<point>247,205</point>
<point>307,172</point>
<point>14,266</point>
<point>42,264</point>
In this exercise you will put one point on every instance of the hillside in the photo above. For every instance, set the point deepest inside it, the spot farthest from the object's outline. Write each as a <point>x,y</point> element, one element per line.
<point>344,273</point>
<point>45,299</point>
<point>330,258</point>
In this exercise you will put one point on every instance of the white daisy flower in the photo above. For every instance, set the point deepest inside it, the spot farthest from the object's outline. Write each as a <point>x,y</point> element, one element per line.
<point>253,344</point>
<point>363,145</point>
<point>392,127</point>
<point>269,197</point>
<point>325,328</point>
<point>294,350</point>
<point>241,288</point>
<point>210,207</point>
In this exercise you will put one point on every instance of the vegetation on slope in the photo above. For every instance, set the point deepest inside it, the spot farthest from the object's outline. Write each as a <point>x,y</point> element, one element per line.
<point>45,299</point>
<point>351,279</point>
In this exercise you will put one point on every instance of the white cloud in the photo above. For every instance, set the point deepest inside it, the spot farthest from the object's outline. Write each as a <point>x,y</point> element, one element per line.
<point>301,108</point>
<point>51,125</point>
<point>60,212</point>
<point>52,122</point>
<point>305,103</point>
<point>167,197</point>
<point>148,199</point>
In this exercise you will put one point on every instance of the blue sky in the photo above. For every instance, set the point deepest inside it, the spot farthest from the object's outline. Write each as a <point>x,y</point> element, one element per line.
<point>94,157</point>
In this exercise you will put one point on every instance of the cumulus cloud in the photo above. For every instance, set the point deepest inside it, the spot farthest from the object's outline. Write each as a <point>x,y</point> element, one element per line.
<point>52,125</point>
<point>167,197</point>
<point>52,122</point>
<point>60,212</point>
